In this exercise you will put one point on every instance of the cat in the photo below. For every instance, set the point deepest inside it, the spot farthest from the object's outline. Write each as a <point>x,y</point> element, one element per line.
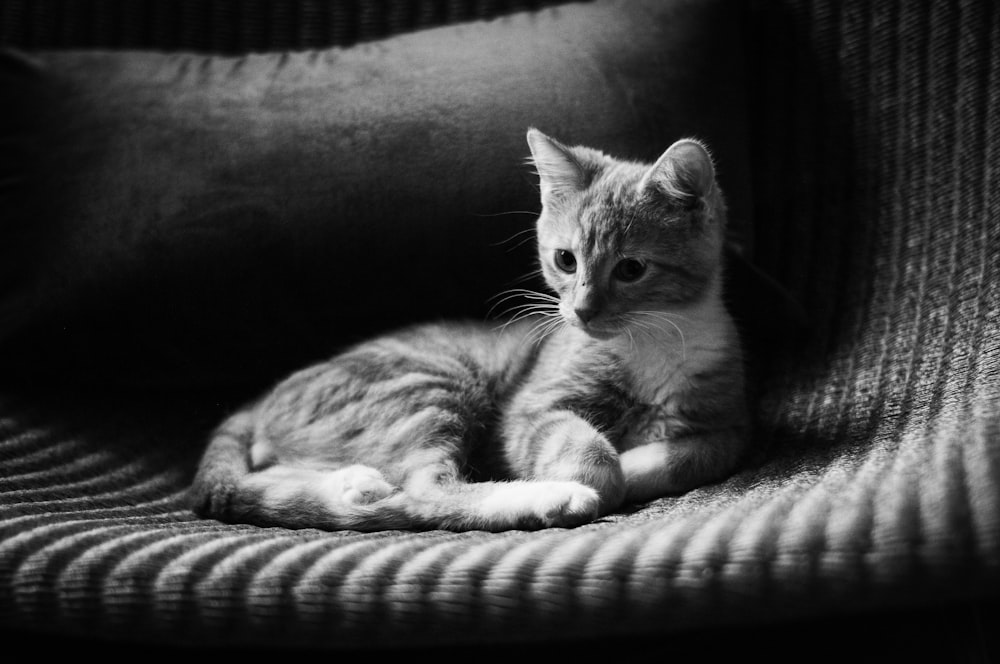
<point>624,385</point>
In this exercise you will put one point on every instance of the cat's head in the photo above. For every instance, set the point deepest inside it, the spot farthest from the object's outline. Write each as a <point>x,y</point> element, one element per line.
<point>618,240</point>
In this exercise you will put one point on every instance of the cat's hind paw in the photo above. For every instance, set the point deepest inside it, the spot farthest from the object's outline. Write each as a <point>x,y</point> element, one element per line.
<point>359,485</point>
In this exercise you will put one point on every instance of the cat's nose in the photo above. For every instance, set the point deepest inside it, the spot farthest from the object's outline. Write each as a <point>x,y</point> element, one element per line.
<point>585,314</point>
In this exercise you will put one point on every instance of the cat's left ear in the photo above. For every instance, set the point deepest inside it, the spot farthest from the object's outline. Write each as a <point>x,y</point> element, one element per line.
<point>685,171</point>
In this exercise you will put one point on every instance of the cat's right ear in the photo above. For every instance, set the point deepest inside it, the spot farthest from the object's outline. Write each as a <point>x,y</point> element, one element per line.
<point>559,172</point>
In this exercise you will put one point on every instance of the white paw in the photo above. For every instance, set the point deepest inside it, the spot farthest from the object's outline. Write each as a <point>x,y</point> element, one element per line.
<point>359,485</point>
<point>569,504</point>
<point>540,505</point>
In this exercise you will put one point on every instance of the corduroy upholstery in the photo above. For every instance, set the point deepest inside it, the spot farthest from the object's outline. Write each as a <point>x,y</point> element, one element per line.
<point>876,483</point>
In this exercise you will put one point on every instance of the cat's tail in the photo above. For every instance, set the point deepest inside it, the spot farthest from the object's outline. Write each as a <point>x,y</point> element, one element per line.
<point>227,487</point>
<point>216,489</point>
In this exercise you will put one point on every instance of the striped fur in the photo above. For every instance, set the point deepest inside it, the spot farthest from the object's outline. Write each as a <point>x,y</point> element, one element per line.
<point>625,385</point>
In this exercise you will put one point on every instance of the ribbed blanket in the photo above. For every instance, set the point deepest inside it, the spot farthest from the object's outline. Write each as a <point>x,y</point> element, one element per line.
<point>876,482</point>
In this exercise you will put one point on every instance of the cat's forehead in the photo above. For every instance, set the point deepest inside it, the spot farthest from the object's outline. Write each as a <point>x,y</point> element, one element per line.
<point>613,215</point>
<point>616,185</point>
<point>612,212</point>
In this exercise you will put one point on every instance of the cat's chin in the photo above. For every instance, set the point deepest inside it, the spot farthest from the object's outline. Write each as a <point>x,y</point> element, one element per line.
<point>600,333</point>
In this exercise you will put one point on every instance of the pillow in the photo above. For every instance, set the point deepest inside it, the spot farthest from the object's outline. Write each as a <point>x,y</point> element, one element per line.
<point>183,218</point>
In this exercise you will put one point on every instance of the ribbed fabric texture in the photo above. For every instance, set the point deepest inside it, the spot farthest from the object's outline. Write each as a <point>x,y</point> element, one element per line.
<point>230,26</point>
<point>878,477</point>
<point>878,208</point>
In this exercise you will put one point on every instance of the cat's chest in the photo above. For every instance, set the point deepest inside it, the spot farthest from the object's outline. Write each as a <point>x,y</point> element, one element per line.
<point>660,376</point>
<point>655,389</point>
<point>653,377</point>
<point>654,369</point>
<point>660,366</point>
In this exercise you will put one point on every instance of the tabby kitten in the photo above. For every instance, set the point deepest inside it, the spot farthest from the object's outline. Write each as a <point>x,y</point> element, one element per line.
<point>624,386</point>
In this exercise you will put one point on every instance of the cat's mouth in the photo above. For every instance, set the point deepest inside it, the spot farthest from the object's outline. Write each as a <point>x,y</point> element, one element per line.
<point>602,331</point>
<point>602,335</point>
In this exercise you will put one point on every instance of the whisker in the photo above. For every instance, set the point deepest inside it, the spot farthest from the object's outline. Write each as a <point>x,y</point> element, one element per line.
<point>512,237</point>
<point>525,291</point>
<point>546,328</point>
<point>651,316</point>
<point>642,325</point>
<point>631,339</point>
<point>646,328</point>
<point>543,310</point>
<point>541,297</point>
<point>538,329</point>
<point>519,244</point>
<point>659,315</point>
<point>668,314</point>
<point>526,313</point>
<point>513,293</point>
<point>547,325</point>
<point>503,214</point>
<point>526,277</point>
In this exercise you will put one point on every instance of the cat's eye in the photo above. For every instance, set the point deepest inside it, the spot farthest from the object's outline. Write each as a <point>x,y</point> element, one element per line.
<point>629,269</point>
<point>565,261</point>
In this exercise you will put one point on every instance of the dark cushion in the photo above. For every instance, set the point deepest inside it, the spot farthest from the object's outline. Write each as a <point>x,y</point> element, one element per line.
<point>181,217</point>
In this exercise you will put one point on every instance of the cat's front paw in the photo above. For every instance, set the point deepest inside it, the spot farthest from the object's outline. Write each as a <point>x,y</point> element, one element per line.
<point>531,505</point>
<point>569,504</point>
<point>359,485</point>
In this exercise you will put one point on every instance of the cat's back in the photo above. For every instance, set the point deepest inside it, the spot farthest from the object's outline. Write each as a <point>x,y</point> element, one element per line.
<point>406,375</point>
